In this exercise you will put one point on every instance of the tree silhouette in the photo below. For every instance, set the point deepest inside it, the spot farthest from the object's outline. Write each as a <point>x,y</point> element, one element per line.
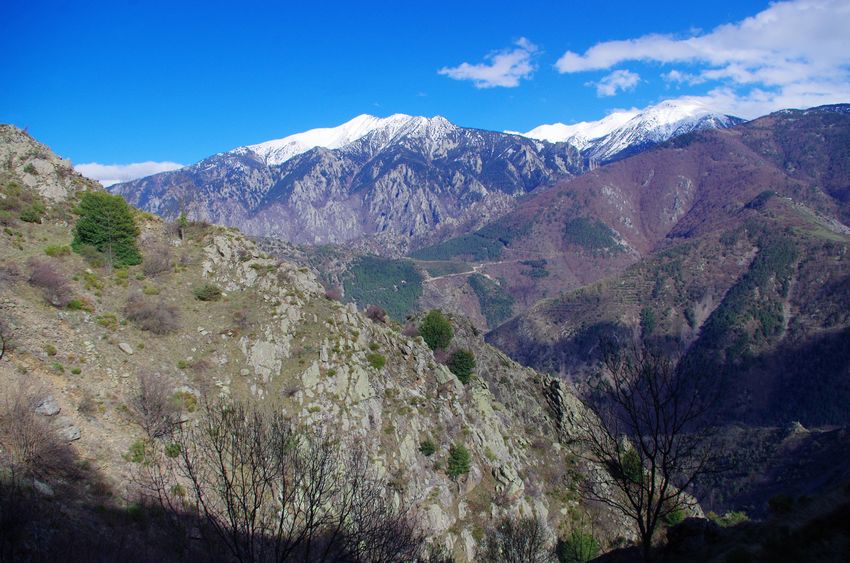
<point>648,426</point>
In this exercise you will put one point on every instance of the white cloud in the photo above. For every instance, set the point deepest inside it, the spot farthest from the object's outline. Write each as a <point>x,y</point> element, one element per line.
<point>679,77</point>
<point>108,174</point>
<point>619,80</point>
<point>791,51</point>
<point>503,68</point>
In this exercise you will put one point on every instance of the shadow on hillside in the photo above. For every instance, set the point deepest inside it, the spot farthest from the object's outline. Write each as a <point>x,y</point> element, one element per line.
<point>77,518</point>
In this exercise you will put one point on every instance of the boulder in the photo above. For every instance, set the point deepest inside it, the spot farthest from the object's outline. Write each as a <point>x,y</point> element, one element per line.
<point>48,406</point>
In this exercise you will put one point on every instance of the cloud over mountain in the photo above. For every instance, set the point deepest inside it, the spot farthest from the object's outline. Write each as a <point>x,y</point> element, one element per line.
<point>108,174</point>
<point>503,68</point>
<point>791,54</point>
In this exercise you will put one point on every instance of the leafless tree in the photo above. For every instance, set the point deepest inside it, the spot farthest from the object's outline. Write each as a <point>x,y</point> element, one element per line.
<point>152,404</point>
<point>649,427</point>
<point>271,493</point>
<point>518,540</point>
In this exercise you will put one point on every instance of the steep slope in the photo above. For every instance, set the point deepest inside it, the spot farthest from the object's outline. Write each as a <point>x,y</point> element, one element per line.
<point>394,180</point>
<point>271,338</point>
<point>750,275</point>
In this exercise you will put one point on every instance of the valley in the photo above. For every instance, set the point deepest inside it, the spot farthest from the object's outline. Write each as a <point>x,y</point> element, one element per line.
<point>724,248</point>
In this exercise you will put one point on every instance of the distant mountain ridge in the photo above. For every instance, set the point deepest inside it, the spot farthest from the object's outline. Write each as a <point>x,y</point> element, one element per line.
<point>626,132</point>
<point>401,181</point>
<point>396,178</point>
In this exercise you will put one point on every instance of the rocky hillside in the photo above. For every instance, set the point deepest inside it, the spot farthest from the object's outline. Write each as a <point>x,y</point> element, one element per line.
<point>739,253</point>
<point>395,184</point>
<point>213,317</point>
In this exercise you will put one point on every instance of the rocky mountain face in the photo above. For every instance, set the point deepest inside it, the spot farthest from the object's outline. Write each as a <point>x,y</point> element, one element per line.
<point>270,337</point>
<point>395,180</point>
<point>390,185</point>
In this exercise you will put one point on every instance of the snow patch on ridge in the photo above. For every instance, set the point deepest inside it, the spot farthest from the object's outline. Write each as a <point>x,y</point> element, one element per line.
<point>624,129</point>
<point>278,151</point>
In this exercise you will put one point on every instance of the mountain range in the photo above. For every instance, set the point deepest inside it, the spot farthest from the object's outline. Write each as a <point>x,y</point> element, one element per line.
<point>396,184</point>
<point>725,246</point>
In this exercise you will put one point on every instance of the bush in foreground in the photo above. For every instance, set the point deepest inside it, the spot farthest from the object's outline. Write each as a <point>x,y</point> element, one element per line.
<point>155,316</point>
<point>517,539</point>
<point>436,330</point>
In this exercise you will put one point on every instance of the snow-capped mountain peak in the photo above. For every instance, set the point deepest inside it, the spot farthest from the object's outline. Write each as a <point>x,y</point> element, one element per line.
<point>580,134</point>
<point>278,151</point>
<point>622,131</point>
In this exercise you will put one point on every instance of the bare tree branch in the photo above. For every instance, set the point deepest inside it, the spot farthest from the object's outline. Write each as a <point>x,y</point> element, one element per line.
<point>269,492</point>
<point>648,427</point>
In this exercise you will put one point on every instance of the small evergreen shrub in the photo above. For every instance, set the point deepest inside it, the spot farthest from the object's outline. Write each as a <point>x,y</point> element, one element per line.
<point>208,292</point>
<point>436,330</point>
<point>631,466</point>
<point>728,519</point>
<point>674,517</point>
<point>32,213</point>
<point>80,305</point>
<point>376,360</point>
<point>108,320</point>
<point>137,452</point>
<point>187,400</point>
<point>56,250</point>
<point>461,363</point>
<point>459,461</point>
<point>427,447</point>
<point>647,321</point>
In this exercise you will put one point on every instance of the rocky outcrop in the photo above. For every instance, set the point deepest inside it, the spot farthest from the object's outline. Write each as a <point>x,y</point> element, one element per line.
<point>35,166</point>
<point>314,354</point>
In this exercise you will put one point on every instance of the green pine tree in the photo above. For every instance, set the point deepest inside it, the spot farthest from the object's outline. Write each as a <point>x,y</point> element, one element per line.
<point>106,223</point>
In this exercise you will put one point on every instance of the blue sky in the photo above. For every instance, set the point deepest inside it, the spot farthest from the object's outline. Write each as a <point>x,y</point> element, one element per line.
<point>124,82</point>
